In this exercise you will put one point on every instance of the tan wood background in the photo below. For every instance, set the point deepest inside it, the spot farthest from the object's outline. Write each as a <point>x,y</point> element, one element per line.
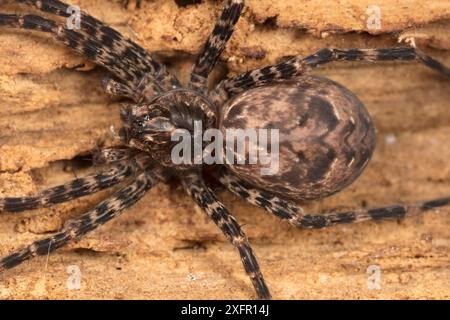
<point>52,108</point>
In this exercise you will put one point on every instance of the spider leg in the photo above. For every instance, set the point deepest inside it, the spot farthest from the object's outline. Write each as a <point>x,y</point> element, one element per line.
<point>111,40</point>
<point>206,199</point>
<point>297,66</point>
<point>294,214</point>
<point>215,44</point>
<point>144,91</point>
<point>74,189</point>
<point>117,88</point>
<point>77,41</point>
<point>89,221</point>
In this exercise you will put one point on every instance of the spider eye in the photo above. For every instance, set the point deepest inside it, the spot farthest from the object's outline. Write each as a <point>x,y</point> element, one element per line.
<point>138,123</point>
<point>157,124</point>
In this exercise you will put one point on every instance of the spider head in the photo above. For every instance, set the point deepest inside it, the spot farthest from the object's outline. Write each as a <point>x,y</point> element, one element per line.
<point>151,127</point>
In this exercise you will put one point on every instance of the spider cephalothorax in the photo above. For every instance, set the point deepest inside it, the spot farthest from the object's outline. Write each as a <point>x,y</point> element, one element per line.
<point>150,126</point>
<point>325,137</point>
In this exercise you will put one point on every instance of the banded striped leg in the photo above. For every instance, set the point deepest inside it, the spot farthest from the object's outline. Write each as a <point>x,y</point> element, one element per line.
<point>297,66</point>
<point>206,200</point>
<point>109,40</point>
<point>293,214</point>
<point>89,221</point>
<point>74,189</point>
<point>215,44</point>
<point>89,48</point>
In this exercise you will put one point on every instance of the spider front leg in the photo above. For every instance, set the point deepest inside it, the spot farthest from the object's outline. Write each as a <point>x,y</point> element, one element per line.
<point>207,200</point>
<point>144,91</point>
<point>79,42</point>
<point>111,40</point>
<point>294,215</point>
<point>89,221</point>
<point>298,66</point>
<point>215,44</point>
<point>137,74</point>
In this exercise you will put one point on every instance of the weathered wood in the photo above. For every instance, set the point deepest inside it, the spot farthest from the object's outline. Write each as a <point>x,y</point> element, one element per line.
<point>51,110</point>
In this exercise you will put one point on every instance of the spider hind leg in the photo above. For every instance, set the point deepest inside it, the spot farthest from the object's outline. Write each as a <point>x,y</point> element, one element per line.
<point>294,215</point>
<point>206,199</point>
<point>75,229</point>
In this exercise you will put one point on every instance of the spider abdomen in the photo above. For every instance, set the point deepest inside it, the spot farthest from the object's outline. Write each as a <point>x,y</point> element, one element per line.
<point>326,136</point>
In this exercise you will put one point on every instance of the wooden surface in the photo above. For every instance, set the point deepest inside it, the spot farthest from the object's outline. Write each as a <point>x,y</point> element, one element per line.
<point>52,109</point>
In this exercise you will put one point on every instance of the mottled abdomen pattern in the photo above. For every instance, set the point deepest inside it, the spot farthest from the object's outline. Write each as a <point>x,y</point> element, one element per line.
<point>326,136</point>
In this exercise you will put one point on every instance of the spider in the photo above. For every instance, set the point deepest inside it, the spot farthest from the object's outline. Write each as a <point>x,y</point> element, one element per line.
<point>326,135</point>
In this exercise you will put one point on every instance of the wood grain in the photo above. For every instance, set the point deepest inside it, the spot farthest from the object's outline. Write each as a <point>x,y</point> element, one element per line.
<point>52,109</point>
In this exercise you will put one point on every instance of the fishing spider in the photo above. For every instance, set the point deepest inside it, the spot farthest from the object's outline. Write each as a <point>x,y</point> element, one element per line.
<point>326,134</point>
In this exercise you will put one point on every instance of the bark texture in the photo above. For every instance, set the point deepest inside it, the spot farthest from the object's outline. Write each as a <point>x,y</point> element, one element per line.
<point>52,109</point>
